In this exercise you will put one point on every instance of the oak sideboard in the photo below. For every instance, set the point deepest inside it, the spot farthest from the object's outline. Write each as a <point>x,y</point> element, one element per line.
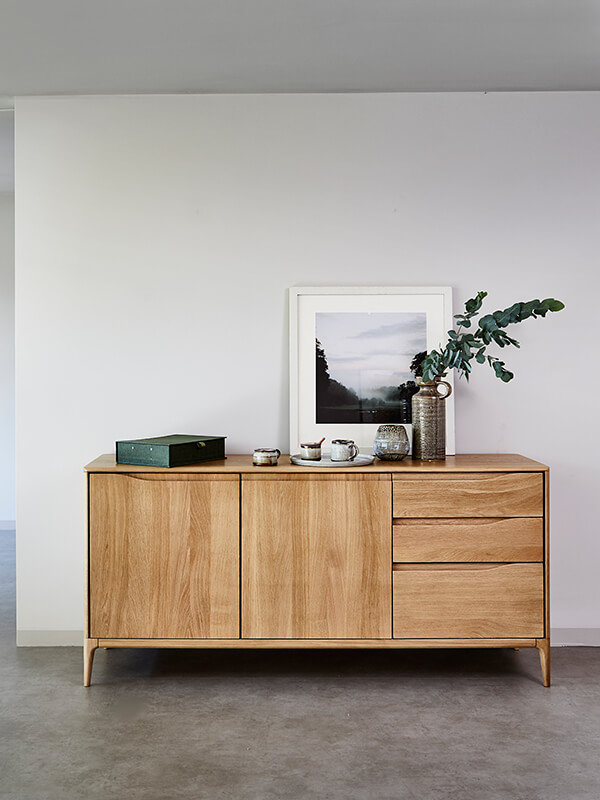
<point>404,554</point>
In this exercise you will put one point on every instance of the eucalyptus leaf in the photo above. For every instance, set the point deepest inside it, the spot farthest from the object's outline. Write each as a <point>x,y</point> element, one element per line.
<point>463,346</point>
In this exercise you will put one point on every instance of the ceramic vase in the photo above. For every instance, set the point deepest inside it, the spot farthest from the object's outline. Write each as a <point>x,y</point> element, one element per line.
<point>429,419</point>
<point>391,443</point>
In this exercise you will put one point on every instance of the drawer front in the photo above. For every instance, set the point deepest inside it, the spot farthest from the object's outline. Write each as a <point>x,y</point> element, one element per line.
<point>491,494</point>
<point>456,540</point>
<point>468,601</point>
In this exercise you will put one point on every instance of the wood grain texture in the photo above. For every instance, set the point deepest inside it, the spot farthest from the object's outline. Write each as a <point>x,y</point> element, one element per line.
<point>477,462</point>
<point>348,476</point>
<point>308,644</point>
<point>459,540</point>
<point>547,557</point>
<point>484,495</point>
<point>89,648</point>
<point>468,600</point>
<point>543,645</point>
<point>164,557</point>
<point>316,558</point>
<point>86,565</point>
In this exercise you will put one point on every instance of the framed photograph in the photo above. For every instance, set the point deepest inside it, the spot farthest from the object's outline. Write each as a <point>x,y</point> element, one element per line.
<point>350,355</point>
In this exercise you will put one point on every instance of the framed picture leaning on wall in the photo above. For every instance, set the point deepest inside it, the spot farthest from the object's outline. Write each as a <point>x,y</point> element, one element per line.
<point>350,355</point>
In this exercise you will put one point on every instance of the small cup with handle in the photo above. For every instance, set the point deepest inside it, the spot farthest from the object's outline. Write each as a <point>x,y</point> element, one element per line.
<point>266,456</point>
<point>343,450</point>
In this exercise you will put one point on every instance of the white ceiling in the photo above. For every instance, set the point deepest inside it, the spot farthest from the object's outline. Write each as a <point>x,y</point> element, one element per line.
<point>121,46</point>
<point>130,46</point>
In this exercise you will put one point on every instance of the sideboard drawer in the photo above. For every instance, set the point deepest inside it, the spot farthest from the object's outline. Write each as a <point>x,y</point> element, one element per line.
<point>456,540</point>
<point>486,494</point>
<point>468,601</point>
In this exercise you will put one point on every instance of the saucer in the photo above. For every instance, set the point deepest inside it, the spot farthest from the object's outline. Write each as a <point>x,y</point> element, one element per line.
<point>360,461</point>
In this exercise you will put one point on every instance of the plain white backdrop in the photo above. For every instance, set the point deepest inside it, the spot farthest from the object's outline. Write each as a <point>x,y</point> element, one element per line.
<point>156,237</point>
<point>7,361</point>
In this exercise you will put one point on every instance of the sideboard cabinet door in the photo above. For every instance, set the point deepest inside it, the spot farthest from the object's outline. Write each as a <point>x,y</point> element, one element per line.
<point>316,556</point>
<point>164,556</point>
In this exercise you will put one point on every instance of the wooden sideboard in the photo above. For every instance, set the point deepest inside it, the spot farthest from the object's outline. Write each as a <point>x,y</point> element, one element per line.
<point>412,554</point>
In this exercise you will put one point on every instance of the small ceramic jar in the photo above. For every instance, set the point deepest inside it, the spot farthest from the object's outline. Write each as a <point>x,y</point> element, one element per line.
<point>343,450</point>
<point>265,456</point>
<point>391,443</point>
<point>311,451</point>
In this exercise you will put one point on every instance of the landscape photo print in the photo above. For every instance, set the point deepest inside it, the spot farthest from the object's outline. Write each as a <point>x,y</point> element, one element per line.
<point>362,363</point>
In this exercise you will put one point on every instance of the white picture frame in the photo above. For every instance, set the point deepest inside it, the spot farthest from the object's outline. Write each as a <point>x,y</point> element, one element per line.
<point>306,301</point>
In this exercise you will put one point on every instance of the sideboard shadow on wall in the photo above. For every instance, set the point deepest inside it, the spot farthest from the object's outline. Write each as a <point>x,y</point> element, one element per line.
<point>410,554</point>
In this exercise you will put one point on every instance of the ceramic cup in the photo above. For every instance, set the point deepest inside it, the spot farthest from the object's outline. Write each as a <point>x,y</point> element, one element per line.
<point>311,451</point>
<point>265,456</point>
<point>343,450</point>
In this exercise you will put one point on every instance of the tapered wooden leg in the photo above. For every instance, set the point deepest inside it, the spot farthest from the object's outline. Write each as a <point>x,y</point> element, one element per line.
<point>543,645</point>
<point>89,648</point>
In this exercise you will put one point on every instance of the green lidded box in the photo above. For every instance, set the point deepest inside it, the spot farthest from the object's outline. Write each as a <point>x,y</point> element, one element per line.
<point>177,450</point>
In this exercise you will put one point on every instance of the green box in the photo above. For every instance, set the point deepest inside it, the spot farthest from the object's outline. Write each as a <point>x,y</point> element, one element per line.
<point>177,450</point>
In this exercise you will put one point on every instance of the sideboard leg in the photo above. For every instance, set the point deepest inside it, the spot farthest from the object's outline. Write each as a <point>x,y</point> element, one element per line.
<point>543,645</point>
<point>89,648</point>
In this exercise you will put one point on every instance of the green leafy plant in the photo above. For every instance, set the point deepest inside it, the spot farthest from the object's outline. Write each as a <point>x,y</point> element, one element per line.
<point>464,345</point>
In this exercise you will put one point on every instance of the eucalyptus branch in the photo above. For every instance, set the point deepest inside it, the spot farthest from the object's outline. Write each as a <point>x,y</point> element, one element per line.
<point>463,345</point>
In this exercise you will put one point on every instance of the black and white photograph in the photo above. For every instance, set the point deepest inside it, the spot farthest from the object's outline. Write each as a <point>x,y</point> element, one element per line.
<point>363,365</point>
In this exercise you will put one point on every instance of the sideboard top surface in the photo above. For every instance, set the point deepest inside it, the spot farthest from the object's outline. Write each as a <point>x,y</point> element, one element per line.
<point>471,462</point>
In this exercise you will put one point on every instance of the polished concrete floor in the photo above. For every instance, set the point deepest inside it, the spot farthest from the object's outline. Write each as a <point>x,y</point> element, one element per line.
<point>206,725</point>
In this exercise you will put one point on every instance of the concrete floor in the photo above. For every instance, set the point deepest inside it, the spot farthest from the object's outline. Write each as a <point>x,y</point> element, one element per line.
<point>164,725</point>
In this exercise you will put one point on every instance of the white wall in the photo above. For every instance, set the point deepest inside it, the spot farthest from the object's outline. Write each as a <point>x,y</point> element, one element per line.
<point>7,361</point>
<point>156,237</point>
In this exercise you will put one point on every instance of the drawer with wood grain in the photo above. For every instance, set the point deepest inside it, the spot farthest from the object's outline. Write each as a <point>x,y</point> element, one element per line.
<point>457,540</point>
<point>486,494</point>
<point>444,601</point>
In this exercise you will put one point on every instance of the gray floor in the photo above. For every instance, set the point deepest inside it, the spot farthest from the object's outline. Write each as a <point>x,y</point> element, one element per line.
<point>331,724</point>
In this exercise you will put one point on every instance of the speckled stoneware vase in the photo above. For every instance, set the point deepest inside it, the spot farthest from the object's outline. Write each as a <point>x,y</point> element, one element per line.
<point>391,443</point>
<point>429,420</point>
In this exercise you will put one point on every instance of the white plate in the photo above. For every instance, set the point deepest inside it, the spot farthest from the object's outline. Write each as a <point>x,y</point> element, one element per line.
<point>359,461</point>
